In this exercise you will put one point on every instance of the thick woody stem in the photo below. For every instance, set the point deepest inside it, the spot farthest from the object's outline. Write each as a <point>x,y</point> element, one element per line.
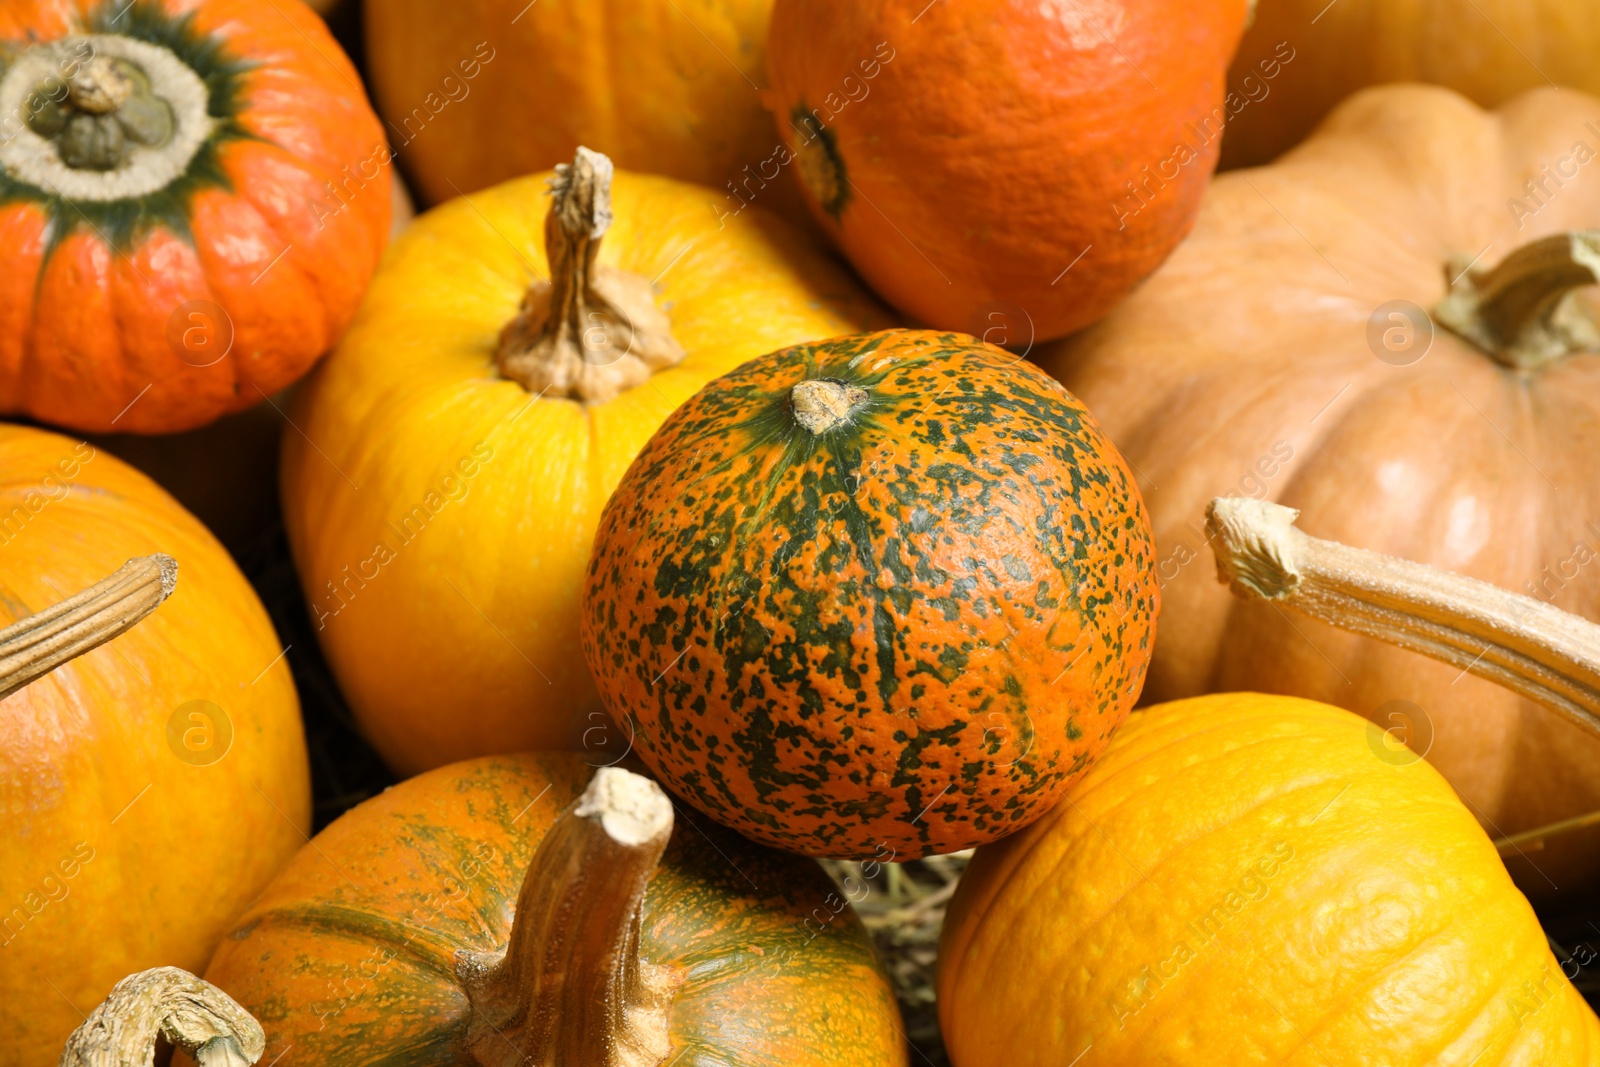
<point>1542,652</point>
<point>1521,312</point>
<point>191,1013</point>
<point>38,644</point>
<point>591,331</point>
<point>570,989</point>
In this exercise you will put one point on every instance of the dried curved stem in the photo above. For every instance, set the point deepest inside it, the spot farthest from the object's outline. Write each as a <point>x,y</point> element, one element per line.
<point>191,1013</point>
<point>571,989</point>
<point>1545,654</point>
<point>1526,645</point>
<point>591,331</point>
<point>35,646</point>
<point>1521,311</point>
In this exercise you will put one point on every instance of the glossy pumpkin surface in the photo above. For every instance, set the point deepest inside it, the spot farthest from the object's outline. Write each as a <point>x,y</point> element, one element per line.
<point>906,633</point>
<point>350,956</point>
<point>1487,50</point>
<point>442,515</point>
<point>498,88</point>
<point>1253,879</point>
<point>1065,168</point>
<point>152,786</point>
<point>203,273</point>
<point>1272,357</point>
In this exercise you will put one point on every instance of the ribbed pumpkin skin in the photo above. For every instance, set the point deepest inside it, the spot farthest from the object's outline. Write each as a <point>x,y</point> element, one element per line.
<point>115,854</point>
<point>1487,50</point>
<point>472,601</point>
<point>279,221</point>
<point>663,86</point>
<point>1241,879</point>
<point>1005,165</point>
<point>1249,365</point>
<point>349,957</point>
<point>908,633</point>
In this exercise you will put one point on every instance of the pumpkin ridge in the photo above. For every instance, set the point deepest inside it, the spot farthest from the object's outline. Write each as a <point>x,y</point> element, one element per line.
<point>436,952</point>
<point>1144,877</point>
<point>121,223</point>
<point>1491,991</point>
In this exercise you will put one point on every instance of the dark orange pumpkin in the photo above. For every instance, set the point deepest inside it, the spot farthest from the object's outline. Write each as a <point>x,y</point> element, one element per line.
<point>192,198</point>
<point>880,596</point>
<point>1012,168</point>
<point>497,912</point>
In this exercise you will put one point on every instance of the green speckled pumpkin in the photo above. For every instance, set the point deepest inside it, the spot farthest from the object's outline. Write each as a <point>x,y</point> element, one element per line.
<point>400,936</point>
<point>880,596</point>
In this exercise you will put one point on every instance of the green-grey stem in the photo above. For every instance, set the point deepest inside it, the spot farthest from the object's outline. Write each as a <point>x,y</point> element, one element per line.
<point>571,988</point>
<point>96,114</point>
<point>1522,311</point>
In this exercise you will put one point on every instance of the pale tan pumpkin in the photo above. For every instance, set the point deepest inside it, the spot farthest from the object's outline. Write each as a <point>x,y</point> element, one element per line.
<point>1266,359</point>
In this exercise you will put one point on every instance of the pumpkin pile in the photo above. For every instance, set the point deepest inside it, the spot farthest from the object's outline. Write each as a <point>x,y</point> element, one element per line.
<point>686,597</point>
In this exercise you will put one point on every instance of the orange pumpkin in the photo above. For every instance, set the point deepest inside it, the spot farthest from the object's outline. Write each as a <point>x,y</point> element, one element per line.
<point>497,912</point>
<point>1299,348</point>
<point>875,597</point>
<point>496,89</point>
<point>186,222</point>
<point>1010,170</point>
<point>151,787</point>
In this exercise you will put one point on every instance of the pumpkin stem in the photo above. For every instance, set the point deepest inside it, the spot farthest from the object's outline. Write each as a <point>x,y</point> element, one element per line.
<point>820,404</point>
<point>191,1013</point>
<point>591,331</point>
<point>1526,645</point>
<point>99,112</point>
<point>38,644</point>
<point>1522,311</point>
<point>571,988</point>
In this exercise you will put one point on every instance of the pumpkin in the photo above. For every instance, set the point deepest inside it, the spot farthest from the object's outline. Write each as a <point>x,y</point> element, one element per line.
<point>1026,204</point>
<point>1306,346</point>
<point>876,597</point>
<point>153,786</point>
<point>499,911</point>
<point>500,88</point>
<point>184,220</point>
<point>1244,878</point>
<point>454,453</point>
<point>1300,58</point>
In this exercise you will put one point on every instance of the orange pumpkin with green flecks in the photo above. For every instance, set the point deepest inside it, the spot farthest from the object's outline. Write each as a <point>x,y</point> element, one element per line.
<point>532,909</point>
<point>885,595</point>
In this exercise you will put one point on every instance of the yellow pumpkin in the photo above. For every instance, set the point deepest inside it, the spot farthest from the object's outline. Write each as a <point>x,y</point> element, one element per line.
<point>150,788</point>
<point>1252,879</point>
<point>451,458</point>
